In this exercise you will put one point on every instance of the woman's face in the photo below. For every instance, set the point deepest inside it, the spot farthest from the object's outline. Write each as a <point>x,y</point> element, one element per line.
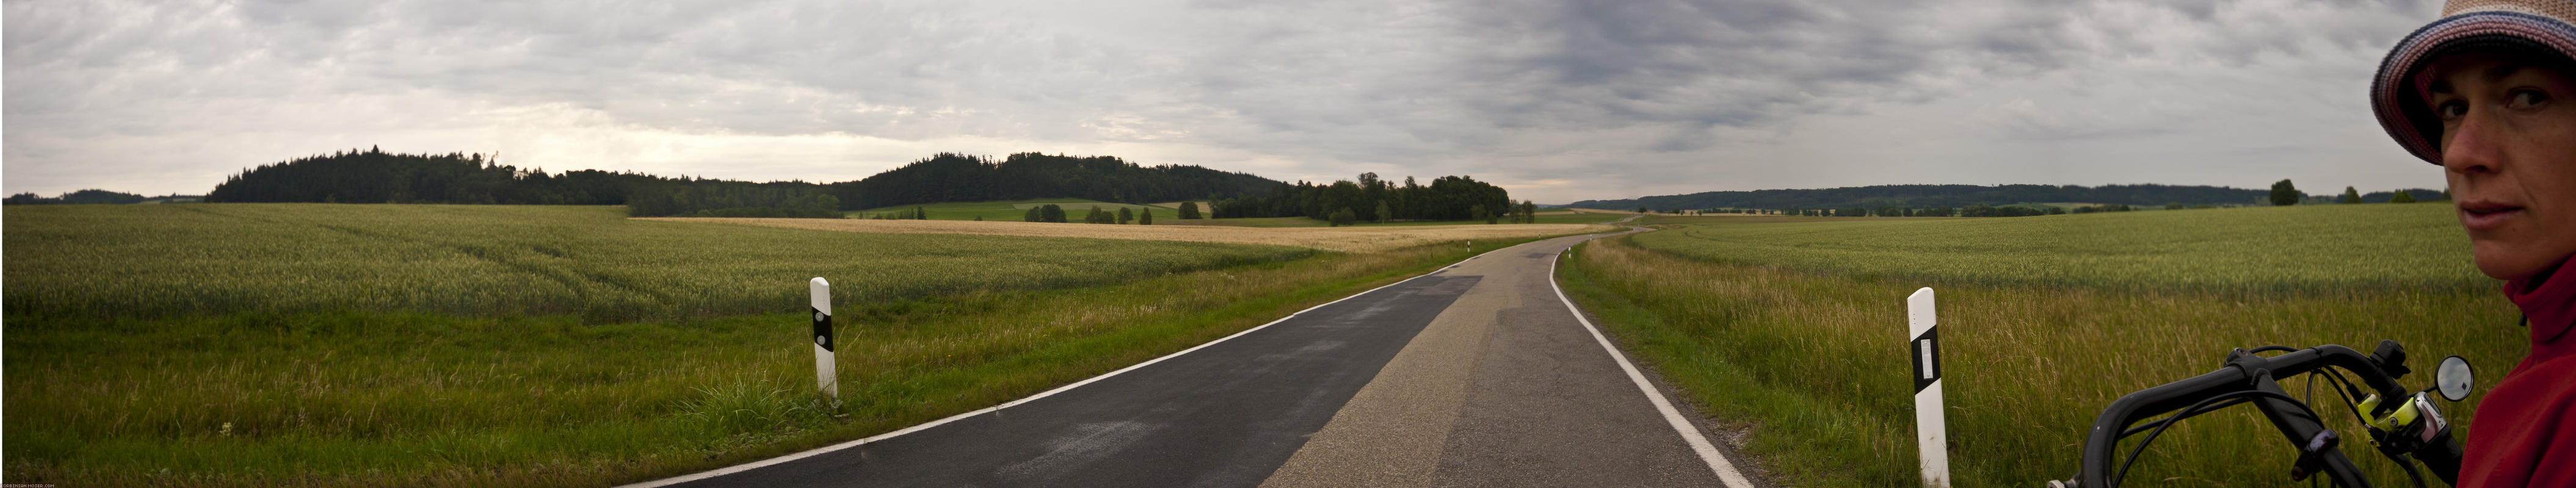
<point>2509,151</point>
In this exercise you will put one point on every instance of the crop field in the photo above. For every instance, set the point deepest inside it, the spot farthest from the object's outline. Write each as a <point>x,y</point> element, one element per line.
<point>427,345</point>
<point>2329,246</point>
<point>487,260</point>
<point>1569,217</point>
<point>1013,210</point>
<point>1795,330</point>
<point>1346,239</point>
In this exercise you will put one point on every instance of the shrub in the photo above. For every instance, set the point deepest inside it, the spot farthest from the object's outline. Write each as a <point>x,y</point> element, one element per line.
<point>1145,217</point>
<point>2402,196</point>
<point>2349,196</point>
<point>1343,217</point>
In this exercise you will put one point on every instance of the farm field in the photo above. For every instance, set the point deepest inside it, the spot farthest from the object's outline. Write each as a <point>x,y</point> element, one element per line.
<point>432,345</point>
<point>1346,239</point>
<point>493,260</point>
<point>2255,249</point>
<point>1009,210</point>
<point>1795,329</point>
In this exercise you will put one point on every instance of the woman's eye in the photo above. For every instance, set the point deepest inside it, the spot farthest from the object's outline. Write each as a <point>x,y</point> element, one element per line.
<point>2452,110</point>
<point>2526,99</point>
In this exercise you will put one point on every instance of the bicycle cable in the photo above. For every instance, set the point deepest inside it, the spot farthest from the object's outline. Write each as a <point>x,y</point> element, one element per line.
<point>2168,422</point>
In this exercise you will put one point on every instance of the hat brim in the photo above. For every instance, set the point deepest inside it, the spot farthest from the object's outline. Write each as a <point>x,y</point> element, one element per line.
<point>2397,96</point>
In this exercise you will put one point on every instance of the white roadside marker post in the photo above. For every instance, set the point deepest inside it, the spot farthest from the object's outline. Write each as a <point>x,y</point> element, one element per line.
<point>1929,428</point>
<point>825,378</point>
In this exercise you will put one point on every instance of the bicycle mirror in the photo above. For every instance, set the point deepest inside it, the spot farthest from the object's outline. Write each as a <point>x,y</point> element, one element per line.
<point>2454,378</point>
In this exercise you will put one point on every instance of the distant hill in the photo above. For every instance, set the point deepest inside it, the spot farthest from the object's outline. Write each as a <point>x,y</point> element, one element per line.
<point>951,177</point>
<point>375,176</point>
<point>93,196</point>
<point>1926,196</point>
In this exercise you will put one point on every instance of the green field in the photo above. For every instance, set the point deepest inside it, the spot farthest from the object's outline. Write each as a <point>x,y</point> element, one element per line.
<point>160,260</point>
<point>1013,210</point>
<point>2333,246</point>
<point>1793,330</point>
<point>430,345</point>
<point>1578,218</point>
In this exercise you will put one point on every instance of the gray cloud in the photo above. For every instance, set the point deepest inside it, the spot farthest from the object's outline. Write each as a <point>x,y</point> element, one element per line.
<point>1565,100</point>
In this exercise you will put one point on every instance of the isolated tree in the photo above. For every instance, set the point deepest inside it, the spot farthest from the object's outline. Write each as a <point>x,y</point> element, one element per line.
<point>1125,215</point>
<point>1052,213</point>
<point>2349,196</point>
<point>1145,217</point>
<point>1035,214</point>
<point>2283,194</point>
<point>1641,209</point>
<point>1189,210</point>
<point>2402,196</point>
<point>1343,217</point>
<point>920,213</point>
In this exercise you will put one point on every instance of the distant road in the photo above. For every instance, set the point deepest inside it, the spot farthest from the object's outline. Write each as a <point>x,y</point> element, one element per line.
<point>1477,375</point>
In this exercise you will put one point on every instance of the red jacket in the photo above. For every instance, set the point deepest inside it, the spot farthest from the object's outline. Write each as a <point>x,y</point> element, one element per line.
<point>2525,431</point>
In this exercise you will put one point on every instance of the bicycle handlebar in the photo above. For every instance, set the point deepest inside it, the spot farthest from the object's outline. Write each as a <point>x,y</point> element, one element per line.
<point>2247,372</point>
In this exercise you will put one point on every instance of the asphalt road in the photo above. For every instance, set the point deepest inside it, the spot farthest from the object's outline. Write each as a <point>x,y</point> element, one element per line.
<point>1476,375</point>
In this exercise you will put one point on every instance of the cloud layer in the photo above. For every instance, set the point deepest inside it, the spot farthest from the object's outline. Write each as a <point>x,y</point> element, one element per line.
<point>1560,101</point>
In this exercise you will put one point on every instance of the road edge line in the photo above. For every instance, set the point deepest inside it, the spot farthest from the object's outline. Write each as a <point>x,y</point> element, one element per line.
<point>1717,462</point>
<point>718,472</point>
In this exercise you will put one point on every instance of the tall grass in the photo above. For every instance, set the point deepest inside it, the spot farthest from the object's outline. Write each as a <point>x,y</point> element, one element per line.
<point>399,398</point>
<point>170,260</point>
<point>2255,250</point>
<point>1812,360</point>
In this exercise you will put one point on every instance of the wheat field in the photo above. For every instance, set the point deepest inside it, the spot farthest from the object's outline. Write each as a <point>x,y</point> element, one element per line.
<point>1344,239</point>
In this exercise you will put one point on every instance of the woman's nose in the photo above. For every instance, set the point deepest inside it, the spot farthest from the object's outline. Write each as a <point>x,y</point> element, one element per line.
<point>2473,145</point>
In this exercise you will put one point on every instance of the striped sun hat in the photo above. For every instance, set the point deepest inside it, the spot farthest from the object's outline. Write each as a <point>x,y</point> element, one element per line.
<point>2399,96</point>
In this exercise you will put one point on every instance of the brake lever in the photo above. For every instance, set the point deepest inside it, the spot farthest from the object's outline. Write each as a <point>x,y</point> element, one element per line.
<point>2312,455</point>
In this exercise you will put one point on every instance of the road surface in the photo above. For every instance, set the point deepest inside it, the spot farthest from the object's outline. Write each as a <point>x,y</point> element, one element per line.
<point>1477,375</point>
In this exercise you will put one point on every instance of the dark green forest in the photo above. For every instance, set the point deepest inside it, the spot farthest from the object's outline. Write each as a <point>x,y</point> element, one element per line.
<point>375,176</point>
<point>1372,199</point>
<point>1926,196</point>
<point>951,177</point>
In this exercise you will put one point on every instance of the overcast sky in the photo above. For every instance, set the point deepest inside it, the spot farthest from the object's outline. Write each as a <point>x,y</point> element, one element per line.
<point>1556,100</point>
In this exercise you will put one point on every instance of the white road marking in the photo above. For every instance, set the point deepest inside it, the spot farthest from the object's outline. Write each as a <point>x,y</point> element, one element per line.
<point>953,418</point>
<point>1707,452</point>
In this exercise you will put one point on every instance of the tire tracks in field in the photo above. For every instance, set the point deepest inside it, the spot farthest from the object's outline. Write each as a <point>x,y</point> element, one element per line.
<point>571,277</point>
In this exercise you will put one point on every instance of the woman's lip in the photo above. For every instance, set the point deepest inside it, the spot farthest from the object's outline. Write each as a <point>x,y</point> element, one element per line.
<point>2488,218</point>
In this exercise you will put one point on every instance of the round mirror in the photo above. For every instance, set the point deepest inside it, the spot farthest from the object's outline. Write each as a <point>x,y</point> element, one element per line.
<point>2454,378</point>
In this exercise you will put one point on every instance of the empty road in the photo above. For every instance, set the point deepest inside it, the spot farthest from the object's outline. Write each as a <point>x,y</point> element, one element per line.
<point>1477,375</point>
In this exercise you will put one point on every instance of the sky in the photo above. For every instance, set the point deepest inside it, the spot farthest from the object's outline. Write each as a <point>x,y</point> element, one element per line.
<point>1557,101</point>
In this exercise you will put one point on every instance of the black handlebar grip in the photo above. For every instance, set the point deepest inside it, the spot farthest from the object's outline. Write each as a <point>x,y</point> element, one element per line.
<point>2391,358</point>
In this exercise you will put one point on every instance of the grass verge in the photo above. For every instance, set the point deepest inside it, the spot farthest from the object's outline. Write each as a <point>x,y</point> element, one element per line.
<point>1814,363</point>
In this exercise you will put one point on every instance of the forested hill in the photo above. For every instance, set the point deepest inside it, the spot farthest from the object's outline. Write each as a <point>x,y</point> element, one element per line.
<point>1925,196</point>
<point>375,176</point>
<point>949,177</point>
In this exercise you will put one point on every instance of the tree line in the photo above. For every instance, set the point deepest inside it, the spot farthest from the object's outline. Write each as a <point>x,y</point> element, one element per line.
<point>375,176</point>
<point>83,196</point>
<point>952,177</point>
<point>1373,199</point>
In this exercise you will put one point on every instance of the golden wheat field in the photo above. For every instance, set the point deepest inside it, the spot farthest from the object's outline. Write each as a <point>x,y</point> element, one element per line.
<point>1345,239</point>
